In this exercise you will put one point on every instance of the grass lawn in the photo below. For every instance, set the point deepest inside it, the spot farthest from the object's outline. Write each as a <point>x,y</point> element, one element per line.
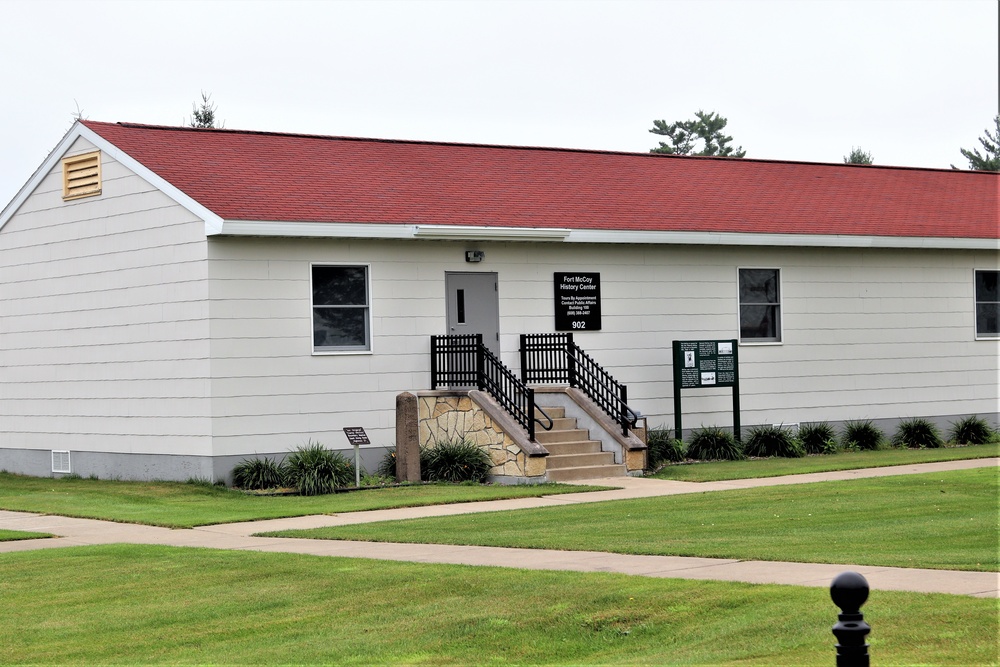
<point>182,505</point>
<point>12,535</point>
<point>713,471</point>
<point>944,520</point>
<point>162,605</point>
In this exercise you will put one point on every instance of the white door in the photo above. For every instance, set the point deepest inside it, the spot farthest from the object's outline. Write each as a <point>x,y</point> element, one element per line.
<point>474,306</point>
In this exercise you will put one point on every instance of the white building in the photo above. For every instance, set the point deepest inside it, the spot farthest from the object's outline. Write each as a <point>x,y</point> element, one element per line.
<point>173,300</point>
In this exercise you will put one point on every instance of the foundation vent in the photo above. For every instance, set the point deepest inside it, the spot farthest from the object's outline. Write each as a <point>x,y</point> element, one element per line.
<point>60,461</point>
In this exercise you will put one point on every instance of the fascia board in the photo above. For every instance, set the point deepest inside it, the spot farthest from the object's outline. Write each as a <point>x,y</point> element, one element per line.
<point>784,240</point>
<point>332,230</point>
<point>465,232</point>
<point>388,231</point>
<point>213,223</point>
<point>43,170</point>
<point>445,232</point>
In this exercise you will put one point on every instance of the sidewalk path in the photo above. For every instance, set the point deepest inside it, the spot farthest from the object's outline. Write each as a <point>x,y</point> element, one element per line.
<point>79,532</point>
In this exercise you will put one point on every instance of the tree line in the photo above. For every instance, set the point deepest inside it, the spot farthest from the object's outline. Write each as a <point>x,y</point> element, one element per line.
<point>705,135</point>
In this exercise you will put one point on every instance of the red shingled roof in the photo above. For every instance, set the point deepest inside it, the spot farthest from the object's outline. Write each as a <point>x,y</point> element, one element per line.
<point>284,177</point>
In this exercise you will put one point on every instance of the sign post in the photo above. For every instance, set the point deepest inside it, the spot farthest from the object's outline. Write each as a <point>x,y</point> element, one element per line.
<point>357,437</point>
<point>701,364</point>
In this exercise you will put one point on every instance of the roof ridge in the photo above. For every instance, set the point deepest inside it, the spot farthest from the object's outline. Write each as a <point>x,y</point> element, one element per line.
<point>591,151</point>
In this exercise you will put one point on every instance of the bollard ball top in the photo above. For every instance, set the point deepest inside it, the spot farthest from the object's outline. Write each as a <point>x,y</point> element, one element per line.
<point>849,591</point>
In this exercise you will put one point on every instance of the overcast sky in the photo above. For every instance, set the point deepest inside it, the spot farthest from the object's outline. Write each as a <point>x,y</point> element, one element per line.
<point>909,81</point>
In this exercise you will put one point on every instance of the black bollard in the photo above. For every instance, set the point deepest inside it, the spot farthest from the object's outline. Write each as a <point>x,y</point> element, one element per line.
<point>849,591</point>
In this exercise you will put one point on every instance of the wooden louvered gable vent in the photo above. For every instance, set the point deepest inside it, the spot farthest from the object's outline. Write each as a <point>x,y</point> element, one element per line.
<point>82,175</point>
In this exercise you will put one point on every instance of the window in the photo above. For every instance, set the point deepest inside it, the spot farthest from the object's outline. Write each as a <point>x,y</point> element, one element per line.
<point>81,175</point>
<point>760,306</point>
<point>987,304</point>
<point>341,313</point>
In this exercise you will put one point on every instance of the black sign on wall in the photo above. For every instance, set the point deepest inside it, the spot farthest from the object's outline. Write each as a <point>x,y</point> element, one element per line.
<point>577,301</point>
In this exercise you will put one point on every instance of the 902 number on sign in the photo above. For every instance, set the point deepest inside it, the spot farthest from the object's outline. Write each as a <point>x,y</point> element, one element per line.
<point>577,324</point>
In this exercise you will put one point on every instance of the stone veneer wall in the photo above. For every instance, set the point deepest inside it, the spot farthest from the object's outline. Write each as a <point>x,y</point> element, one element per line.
<point>456,416</point>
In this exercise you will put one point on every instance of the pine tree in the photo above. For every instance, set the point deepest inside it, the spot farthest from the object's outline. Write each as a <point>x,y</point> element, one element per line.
<point>684,135</point>
<point>858,156</point>
<point>204,116</point>
<point>989,162</point>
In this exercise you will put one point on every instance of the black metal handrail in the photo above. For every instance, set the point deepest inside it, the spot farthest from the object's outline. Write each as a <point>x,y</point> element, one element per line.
<point>555,358</point>
<point>464,361</point>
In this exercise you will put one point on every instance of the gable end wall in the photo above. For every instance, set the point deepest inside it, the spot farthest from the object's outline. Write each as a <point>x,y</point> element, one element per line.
<point>104,331</point>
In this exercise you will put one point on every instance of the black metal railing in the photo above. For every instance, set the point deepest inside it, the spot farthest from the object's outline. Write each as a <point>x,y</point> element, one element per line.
<point>556,359</point>
<point>464,361</point>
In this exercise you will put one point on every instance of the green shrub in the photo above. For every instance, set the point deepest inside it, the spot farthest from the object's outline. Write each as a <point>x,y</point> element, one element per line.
<point>862,435</point>
<point>972,431</point>
<point>818,438</point>
<point>767,440</point>
<point>256,474</point>
<point>710,443</point>
<point>387,466</point>
<point>315,470</point>
<point>454,461</point>
<point>663,447</point>
<point>917,434</point>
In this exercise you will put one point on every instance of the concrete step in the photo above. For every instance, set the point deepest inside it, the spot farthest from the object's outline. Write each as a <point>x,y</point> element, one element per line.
<point>578,447</point>
<point>558,424</point>
<point>567,435</point>
<point>553,412</point>
<point>585,472</point>
<point>579,460</point>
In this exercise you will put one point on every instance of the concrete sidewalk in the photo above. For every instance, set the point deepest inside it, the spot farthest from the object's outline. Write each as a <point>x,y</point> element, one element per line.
<point>79,532</point>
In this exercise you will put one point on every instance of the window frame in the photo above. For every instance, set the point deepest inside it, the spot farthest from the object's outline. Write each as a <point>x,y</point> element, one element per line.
<point>976,302</point>
<point>368,348</point>
<point>780,339</point>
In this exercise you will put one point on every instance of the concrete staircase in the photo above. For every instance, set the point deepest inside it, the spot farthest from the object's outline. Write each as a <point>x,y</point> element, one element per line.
<point>572,454</point>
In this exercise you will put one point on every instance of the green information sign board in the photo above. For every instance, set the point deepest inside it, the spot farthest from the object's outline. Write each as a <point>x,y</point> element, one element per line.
<point>702,364</point>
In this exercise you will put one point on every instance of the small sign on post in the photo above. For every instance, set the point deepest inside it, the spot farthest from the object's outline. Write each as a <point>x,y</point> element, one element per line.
<point>357,437</point>
<point>701,364</point>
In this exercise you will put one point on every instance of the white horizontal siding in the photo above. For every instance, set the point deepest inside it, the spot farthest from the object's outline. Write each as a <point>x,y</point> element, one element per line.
<point>104,327</point>
<point>867,333</point>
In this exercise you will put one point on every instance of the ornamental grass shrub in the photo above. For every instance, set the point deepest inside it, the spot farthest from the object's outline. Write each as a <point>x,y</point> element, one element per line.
<point>768,440</point>
<point>972,430</point>
<point>917,434</point>
<point>711,443</point>
<point>387,464</point>
<point>663,448</point>
<point>818,438</point>
<point>458,460</point>
<point>862,435</point>
<point>258,473</point>
<point>314,470</point>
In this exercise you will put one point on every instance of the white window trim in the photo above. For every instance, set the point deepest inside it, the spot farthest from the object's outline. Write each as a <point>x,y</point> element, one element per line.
<point>975,304</point>
<point>781,309</point>
<point>371,333</point>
